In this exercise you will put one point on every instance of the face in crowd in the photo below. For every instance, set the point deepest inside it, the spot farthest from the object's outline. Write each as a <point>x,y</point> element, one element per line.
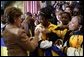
<point>74,24</point>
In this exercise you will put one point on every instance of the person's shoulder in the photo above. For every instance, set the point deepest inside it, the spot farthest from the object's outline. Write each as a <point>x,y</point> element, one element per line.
<point>14,31</point>
<point>20,31</point>
<point>9,31</point>
<point>39,25</point>
<point>74,38</point>
<point>53,26</point>
<point>24,22</point>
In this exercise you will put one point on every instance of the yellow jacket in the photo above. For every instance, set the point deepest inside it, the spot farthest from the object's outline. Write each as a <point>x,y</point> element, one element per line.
<point>76,40</point>
<point>60,33</point>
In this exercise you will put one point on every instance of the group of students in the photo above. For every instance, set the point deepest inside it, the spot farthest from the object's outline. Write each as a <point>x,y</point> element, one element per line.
<point>44,37</point>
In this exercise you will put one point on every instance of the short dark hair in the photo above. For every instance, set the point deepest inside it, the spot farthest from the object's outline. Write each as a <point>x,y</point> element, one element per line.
<point>75,13</point>
<point>10,13</point>
<point>46,12</point>
<point>2,12</point>
<point>68,6</point>
<point>28,13</point>
<point>66,15</point>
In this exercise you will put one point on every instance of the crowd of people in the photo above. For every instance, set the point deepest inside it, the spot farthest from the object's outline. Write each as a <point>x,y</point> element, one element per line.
<point>55,31</point>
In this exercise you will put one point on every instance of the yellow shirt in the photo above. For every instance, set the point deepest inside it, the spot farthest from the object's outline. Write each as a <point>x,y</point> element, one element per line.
<point>76,40</point>
<point>60,33</point>
<point>51,27</point>
<point>42,36</point>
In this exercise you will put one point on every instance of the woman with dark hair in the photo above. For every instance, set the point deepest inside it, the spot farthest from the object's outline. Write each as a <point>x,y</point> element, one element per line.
<point>16,40</point>
<point>48,35</point>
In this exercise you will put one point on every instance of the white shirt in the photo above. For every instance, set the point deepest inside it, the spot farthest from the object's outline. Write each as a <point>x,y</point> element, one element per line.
<point>74,51</point>
<point>44,44</point>
<point>40,28</point>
